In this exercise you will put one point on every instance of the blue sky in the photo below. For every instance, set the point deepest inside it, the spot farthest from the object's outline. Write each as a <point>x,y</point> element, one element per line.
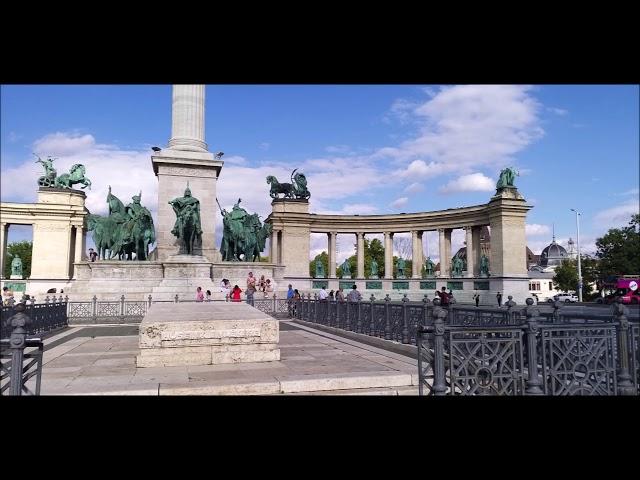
<point>368,149</point>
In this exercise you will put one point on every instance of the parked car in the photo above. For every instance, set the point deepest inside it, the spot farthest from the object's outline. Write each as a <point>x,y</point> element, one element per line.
<point>566,297</point>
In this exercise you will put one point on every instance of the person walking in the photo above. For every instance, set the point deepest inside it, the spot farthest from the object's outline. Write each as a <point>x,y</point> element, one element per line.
<point>199,295</point>
<point>92,255</point>
<point>208,298</point>
<point>476,297</point>
<point>499,298</point>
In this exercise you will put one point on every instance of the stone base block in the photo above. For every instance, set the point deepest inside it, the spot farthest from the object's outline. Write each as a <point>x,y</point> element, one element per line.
<point>206,334</point>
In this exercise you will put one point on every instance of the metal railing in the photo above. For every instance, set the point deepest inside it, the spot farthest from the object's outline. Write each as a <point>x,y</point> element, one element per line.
<point>466,350</point>
<point>23,365</point>
<point>46,316</point>
<point>119,311</point>
<point>533,356</point>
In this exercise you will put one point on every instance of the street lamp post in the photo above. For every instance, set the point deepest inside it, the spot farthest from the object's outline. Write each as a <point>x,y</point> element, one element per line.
<point>578,245</point>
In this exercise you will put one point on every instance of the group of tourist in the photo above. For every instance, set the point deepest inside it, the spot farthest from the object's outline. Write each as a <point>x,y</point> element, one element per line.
<point>263,286</point>
<point>353,296</point>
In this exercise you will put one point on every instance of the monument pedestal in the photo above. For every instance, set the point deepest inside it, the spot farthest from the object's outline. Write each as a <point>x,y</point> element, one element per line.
<point>206,334</point>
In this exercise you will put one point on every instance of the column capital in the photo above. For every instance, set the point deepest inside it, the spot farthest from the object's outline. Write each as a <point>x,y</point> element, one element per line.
<point>441,230</point>
<point>360,234</point>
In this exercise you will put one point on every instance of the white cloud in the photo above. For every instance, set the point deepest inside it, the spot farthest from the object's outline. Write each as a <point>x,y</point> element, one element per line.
<point>618,216</point>
<point>235,160</point>
<point>536,229</point>
<point>420,169</point>
<point>339,149</point>
<point>414,188</point>
<point>399,203</point>
<point>64,144</point>
<point>402,110</point>
<point>633,191</point>
<point>557,111</point>
<point>264,146</point>
<point>474,182</point>
<point>467,126</point>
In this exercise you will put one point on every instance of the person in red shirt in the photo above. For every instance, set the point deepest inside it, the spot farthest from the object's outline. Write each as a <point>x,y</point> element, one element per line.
<point>235,294</point>
<point>444,297</point>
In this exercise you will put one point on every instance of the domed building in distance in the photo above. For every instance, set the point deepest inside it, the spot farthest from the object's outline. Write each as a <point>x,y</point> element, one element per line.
<point>541,275</point>
<point>551,257</point>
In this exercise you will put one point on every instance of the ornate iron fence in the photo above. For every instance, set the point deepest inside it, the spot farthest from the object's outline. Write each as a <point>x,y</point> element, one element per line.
<point>561,355</point>
<point>120,311</point>
<point>46,316</point>
<point>15,374</point>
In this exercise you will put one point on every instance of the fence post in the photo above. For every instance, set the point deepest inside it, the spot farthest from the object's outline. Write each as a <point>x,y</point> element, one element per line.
<point>625,386</point>
<point>46,300</point>
<point>419,345</point>
<point>439,383</point>
<point>175,299</point>
<point>387,317</point>
<point>405,320</point>
<point>533,382</point>
<point>275,303</point>
<point>122,307</point>
<point>149,300</point>
<point>17,344</point>
<point>94,309</point>
<point>371,331</point>
<point>510,304</point>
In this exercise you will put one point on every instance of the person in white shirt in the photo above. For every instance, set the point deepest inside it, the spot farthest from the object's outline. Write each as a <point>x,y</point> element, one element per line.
<point>323,294</point>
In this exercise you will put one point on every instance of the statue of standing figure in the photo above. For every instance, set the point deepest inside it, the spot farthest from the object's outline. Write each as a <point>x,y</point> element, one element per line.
<point>484,266</point>
<point>346,269</point>
<point>374,269</point>
<point>16,267</point>
<point>187,228</point>
<point>319,269</point>
<point>429,267</point>
<point>457,266</point>
<point>400,268</point>
<point>507,177</point>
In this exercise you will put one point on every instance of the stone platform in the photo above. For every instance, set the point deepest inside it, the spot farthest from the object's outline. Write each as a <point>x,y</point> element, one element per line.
<point>206,334</point>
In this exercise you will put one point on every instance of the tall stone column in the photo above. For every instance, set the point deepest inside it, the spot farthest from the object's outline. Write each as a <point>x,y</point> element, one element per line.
<point>4,234</point>
<point>79,248</point>
<point>447,249</point>
<point>442,251</point>
<point>187,125</point>
<point>388,255</point>
<point>470,257</point>
<point>273,248</point>
<point>416,248</point>
<point>420,253</point>
<point>477,250</point>
<point>187,160</point>
<point>332,239</point>
<point>360,246</point>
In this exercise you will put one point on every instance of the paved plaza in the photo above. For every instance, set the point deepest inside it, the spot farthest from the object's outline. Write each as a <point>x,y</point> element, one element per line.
<point>100,360</point>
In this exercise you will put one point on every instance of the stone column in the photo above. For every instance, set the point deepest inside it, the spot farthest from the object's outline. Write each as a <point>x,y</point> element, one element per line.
<point>388,255</point>
<point>4,234</point>
<point>187,160</point>
<point>444,264</point>
<point>79,248</point>
<point>360,254</point>
<point>447,249</point>
<point>477,251</point>
<point>187,111</point>
<point>420,253</point>
<point>416,247</point>
<point>332,240</point>
<point>273,248</point>
<point>470,257</point>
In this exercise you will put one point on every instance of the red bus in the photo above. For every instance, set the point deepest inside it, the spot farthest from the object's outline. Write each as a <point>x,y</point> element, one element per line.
<point>626,288</point>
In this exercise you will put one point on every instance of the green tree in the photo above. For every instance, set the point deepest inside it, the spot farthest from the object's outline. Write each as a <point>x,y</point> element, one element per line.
<point>23,250</point>
<point>619,250</point>
<point>324,258</point>
<point>566,274</point>
<point>373,249</point>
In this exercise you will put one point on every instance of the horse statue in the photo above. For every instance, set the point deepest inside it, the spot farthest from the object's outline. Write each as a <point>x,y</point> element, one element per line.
<point>507,177</point>
<point>75,175</point>
<point>277,188</point>
<point>296,189</point>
